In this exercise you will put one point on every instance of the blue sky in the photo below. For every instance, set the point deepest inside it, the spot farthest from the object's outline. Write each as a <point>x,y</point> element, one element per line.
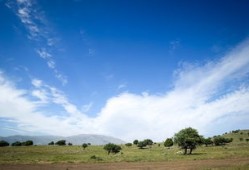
<point>129,69</point>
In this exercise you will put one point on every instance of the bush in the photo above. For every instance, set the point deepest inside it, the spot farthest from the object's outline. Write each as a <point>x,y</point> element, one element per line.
<point>4,143</point>
<point>70,144</point>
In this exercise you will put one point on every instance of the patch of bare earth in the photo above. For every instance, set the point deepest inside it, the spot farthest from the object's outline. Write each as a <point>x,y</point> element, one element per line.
<point>177,165</point>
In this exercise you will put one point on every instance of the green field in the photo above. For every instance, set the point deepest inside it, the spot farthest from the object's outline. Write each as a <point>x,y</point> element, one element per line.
<point>238,149</point>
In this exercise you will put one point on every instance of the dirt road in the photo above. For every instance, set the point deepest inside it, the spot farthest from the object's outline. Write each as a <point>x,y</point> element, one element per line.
<point>177,165</point>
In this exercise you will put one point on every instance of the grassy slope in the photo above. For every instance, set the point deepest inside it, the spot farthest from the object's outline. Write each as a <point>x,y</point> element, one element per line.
<point>244,134</point>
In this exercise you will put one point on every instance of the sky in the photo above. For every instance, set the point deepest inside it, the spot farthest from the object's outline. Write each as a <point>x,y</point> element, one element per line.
<point>130,69</point>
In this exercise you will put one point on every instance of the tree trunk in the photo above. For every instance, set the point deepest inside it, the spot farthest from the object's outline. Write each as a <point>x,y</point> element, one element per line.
<point>185,151</point>
<point>190,151</point>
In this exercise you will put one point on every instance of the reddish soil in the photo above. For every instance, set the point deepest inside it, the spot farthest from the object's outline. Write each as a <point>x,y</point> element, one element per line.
<point>177,165</point>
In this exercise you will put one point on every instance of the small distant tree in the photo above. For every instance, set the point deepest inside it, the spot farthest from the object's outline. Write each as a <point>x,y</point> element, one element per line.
<point>168,142</point>
<point>88,144</point>
<point>112,148</point>
<point>84,145</point>
<point>4,143</point>
<point>61,142</point>
<point>135,142</point>
<point>17,143</point>
<point>51,143</point>
<point>70,144</point>
<point>187,139</point>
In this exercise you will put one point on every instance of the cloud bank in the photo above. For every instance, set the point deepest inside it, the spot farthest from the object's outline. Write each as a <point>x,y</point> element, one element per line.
<point>210,97</point>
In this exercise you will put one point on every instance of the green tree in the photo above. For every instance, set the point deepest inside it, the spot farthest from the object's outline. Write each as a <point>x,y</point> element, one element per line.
<point>4,143</point>
<point>168,142</point>
<point>61,142</point>
<point>84,145</point>
<point>135,142</point>
<point>187,138</point>
<point>112,148</point>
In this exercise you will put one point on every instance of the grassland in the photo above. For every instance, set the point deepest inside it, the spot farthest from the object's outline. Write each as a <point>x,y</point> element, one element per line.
<point>237,150</point>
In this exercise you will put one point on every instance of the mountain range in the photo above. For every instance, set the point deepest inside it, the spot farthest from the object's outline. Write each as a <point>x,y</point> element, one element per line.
<point>75,140</point>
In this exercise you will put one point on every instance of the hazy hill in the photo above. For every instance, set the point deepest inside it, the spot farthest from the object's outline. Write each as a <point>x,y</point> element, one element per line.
<point>75,140</point>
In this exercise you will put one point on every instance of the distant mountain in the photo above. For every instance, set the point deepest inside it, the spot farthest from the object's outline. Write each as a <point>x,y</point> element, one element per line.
<point>75,140</point>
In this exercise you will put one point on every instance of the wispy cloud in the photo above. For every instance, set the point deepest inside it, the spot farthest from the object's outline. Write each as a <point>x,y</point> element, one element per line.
<point>204,96</point>
<point>38,30</point>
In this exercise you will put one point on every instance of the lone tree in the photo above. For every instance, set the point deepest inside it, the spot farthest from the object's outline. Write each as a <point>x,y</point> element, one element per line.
<point>187,138</point>
<point>112,148</point>
<point>168,142</point>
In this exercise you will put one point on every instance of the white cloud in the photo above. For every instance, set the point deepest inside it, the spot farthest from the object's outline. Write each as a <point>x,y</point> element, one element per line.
<point>203,97</point>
